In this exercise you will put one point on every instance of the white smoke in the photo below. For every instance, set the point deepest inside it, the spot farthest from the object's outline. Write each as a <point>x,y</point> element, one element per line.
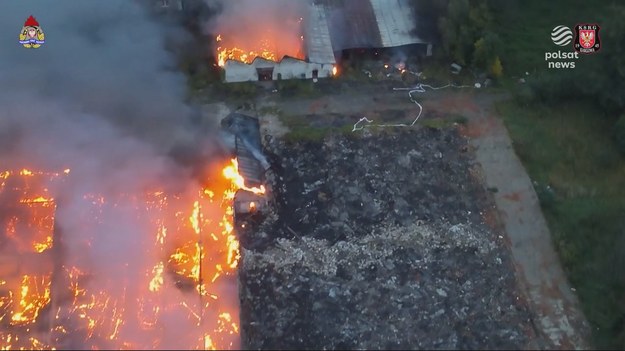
<point>101,97</point>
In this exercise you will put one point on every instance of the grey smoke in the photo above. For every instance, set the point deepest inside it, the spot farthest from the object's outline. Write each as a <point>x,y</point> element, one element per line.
<point>102,58</point>
<point>250,21</point>
<point>103,98</point>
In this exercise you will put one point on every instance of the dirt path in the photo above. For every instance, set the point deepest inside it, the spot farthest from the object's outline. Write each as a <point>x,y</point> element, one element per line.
<point>558,315</point>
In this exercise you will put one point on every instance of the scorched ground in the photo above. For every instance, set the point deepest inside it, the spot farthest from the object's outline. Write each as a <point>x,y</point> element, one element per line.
<point>379,242</point>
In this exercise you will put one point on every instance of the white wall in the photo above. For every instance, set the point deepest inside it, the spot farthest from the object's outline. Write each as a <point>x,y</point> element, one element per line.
<point>290,69</point>
<point>324,70</point>
<point>287,69</point>
<point>239,72</point>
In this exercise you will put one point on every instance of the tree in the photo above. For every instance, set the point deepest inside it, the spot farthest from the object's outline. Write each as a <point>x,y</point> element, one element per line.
<point>604,73</point>
<point>461,27</point>
<point>427,14</point>
<point>453,31</point>
<point>486,50</point>
<point>496,69</point>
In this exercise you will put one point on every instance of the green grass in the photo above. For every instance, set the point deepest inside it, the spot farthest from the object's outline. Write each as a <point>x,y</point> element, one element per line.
<point>301,88</point>
<point>567,150</point>
<point>300,128</point>
<point>525,29</point>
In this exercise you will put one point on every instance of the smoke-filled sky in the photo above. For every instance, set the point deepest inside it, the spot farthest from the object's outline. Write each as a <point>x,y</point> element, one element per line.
<point>101,97</point>
<point>256,25</point>
<point>101,58</point>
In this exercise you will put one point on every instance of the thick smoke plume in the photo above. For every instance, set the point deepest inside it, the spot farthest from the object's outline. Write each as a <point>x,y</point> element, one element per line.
<point>254,25</point>
<point>101,97</point>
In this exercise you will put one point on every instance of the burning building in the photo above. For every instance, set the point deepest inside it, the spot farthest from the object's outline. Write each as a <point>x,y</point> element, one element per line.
<point>245,141</point>
<point>313,36</point>
<point>133,245</point>
<point>47,300</point>
<point>273,41</point>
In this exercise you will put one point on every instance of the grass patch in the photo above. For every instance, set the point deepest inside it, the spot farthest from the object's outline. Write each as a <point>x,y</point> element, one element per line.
<point>240,90</point>
<point>438,74</point>
<point>305,88</point>
<point>580,178</point>
<point>270,110</point>
<point>301,129</point>
<point>460,119</point>
<point>525,29</point>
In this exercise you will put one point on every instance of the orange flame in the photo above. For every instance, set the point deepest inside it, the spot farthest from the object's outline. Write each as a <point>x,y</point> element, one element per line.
<point>264,49</point>
<point>231,172</point>
<point>34,295</point>
<point>104,316</point>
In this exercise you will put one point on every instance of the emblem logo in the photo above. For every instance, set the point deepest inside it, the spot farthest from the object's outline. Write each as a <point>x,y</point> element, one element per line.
<point>561,35</point>
<point>31,35</point>
<point>587,39</point>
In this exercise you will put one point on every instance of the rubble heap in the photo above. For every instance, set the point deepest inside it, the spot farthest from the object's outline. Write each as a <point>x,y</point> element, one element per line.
<point>378,242</point>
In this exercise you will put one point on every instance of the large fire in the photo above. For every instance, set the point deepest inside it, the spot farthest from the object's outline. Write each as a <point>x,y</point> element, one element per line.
<point>195,251</point>
<point>270,44</point>
<point>265,49</point>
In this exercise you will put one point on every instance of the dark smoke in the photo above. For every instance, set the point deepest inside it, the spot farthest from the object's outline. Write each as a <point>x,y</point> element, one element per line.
<point>103,63</point>
<point>102,97</point>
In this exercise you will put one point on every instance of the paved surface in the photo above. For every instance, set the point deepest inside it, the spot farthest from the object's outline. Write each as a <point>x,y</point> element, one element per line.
<point>555,304</point>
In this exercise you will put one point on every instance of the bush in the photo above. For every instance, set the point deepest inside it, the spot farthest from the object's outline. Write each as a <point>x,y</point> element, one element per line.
<point>619,134</point>
<point>485,53</point>
<point>496,69</point>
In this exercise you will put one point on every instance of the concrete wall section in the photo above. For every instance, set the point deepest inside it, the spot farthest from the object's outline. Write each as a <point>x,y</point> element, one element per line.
<point>288,68</point>
<point>239,72</point>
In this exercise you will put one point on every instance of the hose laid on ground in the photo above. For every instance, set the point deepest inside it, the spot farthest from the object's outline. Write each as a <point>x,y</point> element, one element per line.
<point>419,88</point>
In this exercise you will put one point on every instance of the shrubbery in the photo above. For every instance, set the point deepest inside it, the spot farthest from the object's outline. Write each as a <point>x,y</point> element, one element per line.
<point>619,134</point>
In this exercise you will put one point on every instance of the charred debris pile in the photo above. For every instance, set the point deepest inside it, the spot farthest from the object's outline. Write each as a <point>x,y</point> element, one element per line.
<point>378,241</point>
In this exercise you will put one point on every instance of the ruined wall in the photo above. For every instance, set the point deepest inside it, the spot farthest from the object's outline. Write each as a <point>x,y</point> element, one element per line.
<point>286,69</point>
<point>239,72</point>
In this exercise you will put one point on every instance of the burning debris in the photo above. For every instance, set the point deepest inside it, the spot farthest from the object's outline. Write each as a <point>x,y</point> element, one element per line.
<point>272,40</point>
<point>243,133</point>
<point>377,247</point>
<point>58,299</point>
<point>134,247</point>
<point>247,29</point>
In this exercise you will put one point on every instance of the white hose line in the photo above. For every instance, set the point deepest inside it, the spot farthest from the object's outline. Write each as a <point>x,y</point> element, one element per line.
<point>419,88</point>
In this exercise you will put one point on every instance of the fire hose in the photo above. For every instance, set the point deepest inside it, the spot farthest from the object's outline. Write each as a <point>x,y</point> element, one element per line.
<point>419,88</point>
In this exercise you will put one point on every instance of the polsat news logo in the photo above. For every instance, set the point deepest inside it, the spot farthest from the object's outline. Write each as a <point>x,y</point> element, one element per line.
<point>586,41</point>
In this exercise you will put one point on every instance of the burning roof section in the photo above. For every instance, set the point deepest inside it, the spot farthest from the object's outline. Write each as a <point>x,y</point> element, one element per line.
<point>246,130</point>
<point>323,27</point>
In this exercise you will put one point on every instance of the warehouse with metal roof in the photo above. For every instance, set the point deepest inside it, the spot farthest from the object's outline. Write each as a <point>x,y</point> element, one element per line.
<point>332,26</point>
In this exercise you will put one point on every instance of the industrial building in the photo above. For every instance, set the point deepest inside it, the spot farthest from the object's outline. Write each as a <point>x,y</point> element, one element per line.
<point>331,28</point>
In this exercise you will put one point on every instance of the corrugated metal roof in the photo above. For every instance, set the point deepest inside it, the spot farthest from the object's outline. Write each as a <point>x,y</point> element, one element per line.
<point>317,38</point>
<point>247,135</point>
<point>395,21</point>
<point>352,24</point>
<point>370,23</point>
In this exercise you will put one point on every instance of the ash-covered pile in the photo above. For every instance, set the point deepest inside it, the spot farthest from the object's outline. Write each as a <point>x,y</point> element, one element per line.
<point>378,242</point>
